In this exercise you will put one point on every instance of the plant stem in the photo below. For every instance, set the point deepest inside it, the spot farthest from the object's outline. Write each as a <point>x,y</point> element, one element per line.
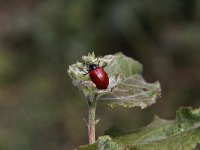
<point>91,123</point>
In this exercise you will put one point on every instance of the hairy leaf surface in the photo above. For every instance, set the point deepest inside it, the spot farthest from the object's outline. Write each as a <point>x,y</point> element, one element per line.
<point>182,134</point>
<point>126,87</point>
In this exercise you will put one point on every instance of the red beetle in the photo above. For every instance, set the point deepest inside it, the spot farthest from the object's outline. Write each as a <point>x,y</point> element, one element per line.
<point>98,76</point>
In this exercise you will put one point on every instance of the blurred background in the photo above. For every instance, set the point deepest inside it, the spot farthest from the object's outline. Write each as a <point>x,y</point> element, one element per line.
<point>40,109</point>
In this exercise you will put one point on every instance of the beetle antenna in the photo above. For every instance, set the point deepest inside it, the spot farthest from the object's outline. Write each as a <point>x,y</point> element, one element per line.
<point>96,61</point>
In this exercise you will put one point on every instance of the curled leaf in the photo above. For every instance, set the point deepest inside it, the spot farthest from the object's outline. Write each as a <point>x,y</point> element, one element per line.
<point>126,86</point>
<point>133,91</point>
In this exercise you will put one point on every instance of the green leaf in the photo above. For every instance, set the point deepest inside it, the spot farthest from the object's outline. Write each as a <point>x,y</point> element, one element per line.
<point>133,91</point>
<point>126,86</point>
<point>104,143</point>
<point>182,134</point>
<point>123,65</point>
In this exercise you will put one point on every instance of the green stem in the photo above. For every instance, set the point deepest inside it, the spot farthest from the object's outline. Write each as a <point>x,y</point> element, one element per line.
<point>91,123</point>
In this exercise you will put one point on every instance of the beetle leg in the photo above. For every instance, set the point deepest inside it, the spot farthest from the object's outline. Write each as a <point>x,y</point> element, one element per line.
<point>104,65</point>
<point>85,73</point>
<point>98,63</point>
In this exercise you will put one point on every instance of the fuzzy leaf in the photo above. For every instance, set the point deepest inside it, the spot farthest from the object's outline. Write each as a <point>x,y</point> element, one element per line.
<point>182,134</point>
<point>133,91</point>
<point>126,87</point>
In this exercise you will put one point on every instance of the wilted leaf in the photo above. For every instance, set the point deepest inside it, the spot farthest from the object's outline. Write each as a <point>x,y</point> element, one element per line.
<point>126,87</point>
<point>182,134</point>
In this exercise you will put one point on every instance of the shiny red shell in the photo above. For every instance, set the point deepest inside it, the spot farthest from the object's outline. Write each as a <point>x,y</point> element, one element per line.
<point>99,77</point>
